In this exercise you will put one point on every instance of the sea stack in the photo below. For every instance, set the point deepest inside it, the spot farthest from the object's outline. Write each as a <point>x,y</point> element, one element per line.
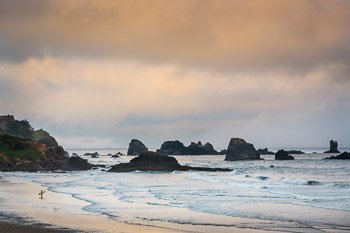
<point>283,155</point>
<point>178,148</point>
<point>333,147</point>
<point>136,147</point>
<point>238,149</point>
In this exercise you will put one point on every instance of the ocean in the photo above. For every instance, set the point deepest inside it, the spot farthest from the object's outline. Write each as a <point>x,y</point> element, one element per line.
<point>308,194</point>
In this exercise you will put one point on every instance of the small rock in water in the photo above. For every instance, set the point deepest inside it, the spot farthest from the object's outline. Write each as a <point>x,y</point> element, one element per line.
<point>344,155</point>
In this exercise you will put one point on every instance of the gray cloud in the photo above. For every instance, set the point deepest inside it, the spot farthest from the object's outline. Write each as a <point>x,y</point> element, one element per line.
<point>102,72</point>
<point>162,102</point>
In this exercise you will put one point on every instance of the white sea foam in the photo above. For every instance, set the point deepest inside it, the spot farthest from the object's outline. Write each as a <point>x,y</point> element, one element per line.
<point>310,191</point>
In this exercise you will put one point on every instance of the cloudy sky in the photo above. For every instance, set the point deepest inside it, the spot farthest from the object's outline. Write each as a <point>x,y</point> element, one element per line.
<point>98,73</point>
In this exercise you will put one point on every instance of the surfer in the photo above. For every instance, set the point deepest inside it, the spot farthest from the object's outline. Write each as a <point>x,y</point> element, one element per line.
<point>41,194</point>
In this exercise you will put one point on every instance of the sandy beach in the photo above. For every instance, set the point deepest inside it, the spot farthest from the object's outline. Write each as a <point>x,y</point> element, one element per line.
<point>15,228</point>
<point>61,213</point>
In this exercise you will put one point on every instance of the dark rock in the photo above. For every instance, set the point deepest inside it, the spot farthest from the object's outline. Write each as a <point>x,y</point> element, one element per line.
<point>265,152</point>
<point>117,155</point>
<point>95,155</point>
<point>223,152</point>
<point>283,155</point>
<point>177,148</point>
<point>20,129</point>
<point>172,148</point>
<point>136,147</point>
<point>17,154</point>
<point>238,149</point>
<point>45,138</point>
<point>272,166</point>
<point>75,154</point>
<point>76,163</point>
<point>344,155</point>
<point>23,149</point>
<point>199,149</point>
<point>295,152</point>
<point>153,161</point>
<point>333,147</point>
<point>92,155</point>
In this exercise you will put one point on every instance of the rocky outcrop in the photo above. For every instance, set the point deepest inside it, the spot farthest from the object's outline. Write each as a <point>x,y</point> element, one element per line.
<point>172,148</point>
<point>153,161</point>
<point>283,155</point>
<point>17,154</point>
<point>22,129</point>
<point>136,147</point>
<point>238,149</point>
<point>76,163</point>
<point>265,152</point>
<point>333,147</point>
<point>178,148</point>
<point>199,149</point>
<point>117,155</point>
<point>295,152</point>
<point>92,155</point>
<point>344,155</point>
<point>45,138</point>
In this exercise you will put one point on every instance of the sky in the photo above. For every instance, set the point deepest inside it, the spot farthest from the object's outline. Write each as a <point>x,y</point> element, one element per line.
<point>99,73</point>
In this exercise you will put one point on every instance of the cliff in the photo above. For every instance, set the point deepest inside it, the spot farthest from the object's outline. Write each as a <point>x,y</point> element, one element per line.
<point>23,149</point>
<point>22,129</point>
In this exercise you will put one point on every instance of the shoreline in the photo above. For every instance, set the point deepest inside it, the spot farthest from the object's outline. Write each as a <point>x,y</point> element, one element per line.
<point>14,224</point>
<point>23,211</point>
<point>16,228</point>
<point>39,218</point>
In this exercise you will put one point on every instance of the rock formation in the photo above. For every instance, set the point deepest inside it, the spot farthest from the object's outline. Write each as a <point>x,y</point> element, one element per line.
<point>333,147</point>
<point>117,155</point>
<point>23,149</point>
<point>238,149</point>
<point>45,138</point>
<point>92,155</point>
<point>295,152</point>
<point>177,148</point>
<point>265,152</point>
<point>172,148</point>
<point>136,147</point>
<point>153,161</point>
<point>344,155</point>
<point>199,149</point>
<point>17,154</point>
<point>22,129</point>
<point>283,155</point>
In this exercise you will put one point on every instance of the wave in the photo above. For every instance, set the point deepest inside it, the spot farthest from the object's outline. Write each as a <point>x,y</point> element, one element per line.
<point>299,181</point>
<point>262,177</point>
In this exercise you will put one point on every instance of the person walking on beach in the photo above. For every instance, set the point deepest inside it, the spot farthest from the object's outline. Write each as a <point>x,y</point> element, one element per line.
<point>41,194</point>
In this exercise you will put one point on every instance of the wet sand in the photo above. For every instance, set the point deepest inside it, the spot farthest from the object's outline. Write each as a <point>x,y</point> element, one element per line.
<point>23,211</point>
<point>17,228</point>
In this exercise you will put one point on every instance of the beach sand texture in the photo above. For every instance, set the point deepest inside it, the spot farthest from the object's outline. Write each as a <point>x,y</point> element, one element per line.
<point>62,214</point>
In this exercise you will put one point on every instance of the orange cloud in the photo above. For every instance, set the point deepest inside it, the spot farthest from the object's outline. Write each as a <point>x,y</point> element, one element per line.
<point>222,34</point>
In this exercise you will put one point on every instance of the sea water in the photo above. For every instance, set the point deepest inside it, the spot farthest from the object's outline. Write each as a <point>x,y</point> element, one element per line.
<point>307,192</point>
